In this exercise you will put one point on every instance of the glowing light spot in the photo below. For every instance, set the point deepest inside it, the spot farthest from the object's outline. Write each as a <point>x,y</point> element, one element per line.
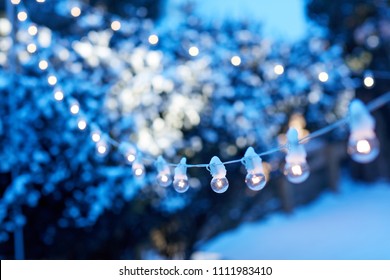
<point>130,158</point>
<point>164,178</point>
<point>95,137</point>
<point>279,69</point>
<point>102,149</point>
<point>296,170</point>
<point>22,16</point>
<point>363,147</point>
<point>235,60</point>
<point>59,95</point>
<point>138,172</point>
<point>74,109</point>
<point>75,11</point>
<point>31,48</point>
<point>43,65</point>
<point>193,51</point>
<point>256,180</point>
<point>153,39</point>
<point>82,124</point>
<point>52,80</point>
<point>115,25</point>
<point>32,30</point>
<point>15,2</point>
<point>368,81</point>
<point>323,77</point>
<point>41,1</point>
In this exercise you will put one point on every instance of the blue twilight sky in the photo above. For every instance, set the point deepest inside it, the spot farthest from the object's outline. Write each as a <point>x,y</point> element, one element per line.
<point>282,19</point>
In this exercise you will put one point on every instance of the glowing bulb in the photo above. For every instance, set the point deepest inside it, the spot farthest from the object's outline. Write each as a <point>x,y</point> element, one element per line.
<point>296,168</point>
<point>363,146</point>
<point>138,167</point>
<point>82,124</point>
<point>153,39</point>
<point>75,11</point>
<point>32,30</point>
<point>101,148</point>
<point>115,25</point>
<point>368,81</point>
<point>235,60</point>
<point>74,109</point>
<point>323,77</point>
<point>22,16</point>
<point>193,51</point>
<point>58,95</point>
<point>31,48</point>
<point>279,69</point>
<point>363,150</point>
<point>43,64</point>
<point>297,172</point>
<point>255,178</point>
<point>219,183</point>
<point>41,1</point>
<point>95,136</point>
<point>164,178</point>
<point>130,158</point>
<point>180,182</point>
<point>52,80</point>
<point>15,2</point>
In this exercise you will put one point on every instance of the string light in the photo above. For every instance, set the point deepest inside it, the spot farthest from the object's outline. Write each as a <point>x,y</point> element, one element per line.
<point>15,2</point>
<point>52,80</point>
<point>31,48</point>
<point>235,60</point>
<point>75,11</point>
<point>58,95</point>
<point>82,124</point>
<point>153,39</point>
<point>296,168</point>
<point>32,30</point>
<point>22,16</point>
<point>102,148</point>
<point>180,181</point>
<point>323,77</point>
<point>115,25</point>
<point>279,69</point>
<point>129,151</point>
<point>255,178</point>
<point>43,64</point>
<point>95,135</point>
<point>219,183</point>
<point>363,146</point>
<point>368,80</point>
<point>138,168</point>
<point>193,51</point>
<point>74,108</point>
<point>164,178</point>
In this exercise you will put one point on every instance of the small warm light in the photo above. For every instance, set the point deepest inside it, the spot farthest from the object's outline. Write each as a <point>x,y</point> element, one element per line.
<point>164,178</point>
<point>368,81</point>
<point>323,77</point>
<point>59,95</point>
<point>181,184</point>
<point>15,2</point>
<point>95,137</point>
<point>236,60</point>
<point>193,51</point>
<point>32,30</point>
<point>256,180</point>
<point>102,149</point>
<point>296,170</point>
<point>43,65</point>
<point>75,11</point>
<point>22,16</point>
<point>115,25</point>
<point>363,147</point>
<point>74,109</point>
<point>153,39</point>
<point>130,158</point>
<point>52,80</point>
<point>31,48</point>
<point>82,124</point>
<point>138,172</point>
<point>41,1</point>
<point>279,69</point>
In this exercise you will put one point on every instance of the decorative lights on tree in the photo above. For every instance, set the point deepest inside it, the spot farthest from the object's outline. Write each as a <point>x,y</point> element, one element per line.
<point>180,182</point>
<point>255,178</point>
<point>164,178</point>
<point>296,168</point>
<point>363,146</point>
<point>138,167</point>
<point>219,183</point>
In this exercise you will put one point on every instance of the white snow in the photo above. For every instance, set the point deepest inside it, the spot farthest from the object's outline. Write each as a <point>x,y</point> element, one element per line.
<point>353,224</point>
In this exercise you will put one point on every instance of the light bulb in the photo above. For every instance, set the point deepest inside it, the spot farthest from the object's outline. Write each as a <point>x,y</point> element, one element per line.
<point>297,172</point>
<point>181,185</point>
<point>101,148</point>
<point>164,180</point>
<point>180,181</point>
<point>296,168</point>
<point>82,124</point>
<point>58,95</point>
<point>255,179</point>
<point>95,136</point>
<point>255,182</point>
<point>138,168</point>
<point>219,185</point>
<point>75,108</point>
<point>363,150</point>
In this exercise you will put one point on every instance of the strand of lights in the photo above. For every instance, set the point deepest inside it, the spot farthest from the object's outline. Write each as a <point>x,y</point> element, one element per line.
<point>362,145</point>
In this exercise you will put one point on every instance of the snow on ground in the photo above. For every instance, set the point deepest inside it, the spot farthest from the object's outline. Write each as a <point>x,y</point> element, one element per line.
<point>353,224</point>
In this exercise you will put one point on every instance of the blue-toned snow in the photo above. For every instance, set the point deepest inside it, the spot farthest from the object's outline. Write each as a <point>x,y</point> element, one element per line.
<point>353,224</point>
